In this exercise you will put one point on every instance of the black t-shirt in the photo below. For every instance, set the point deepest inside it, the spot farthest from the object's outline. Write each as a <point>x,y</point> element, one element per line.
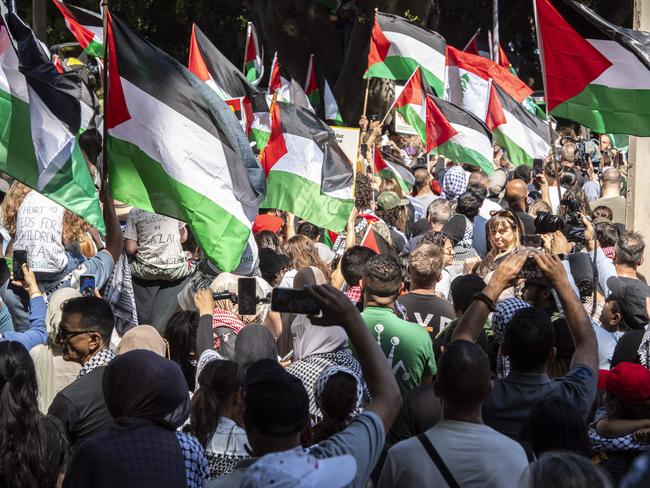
<point>527,220</point>
<point>428,311</point>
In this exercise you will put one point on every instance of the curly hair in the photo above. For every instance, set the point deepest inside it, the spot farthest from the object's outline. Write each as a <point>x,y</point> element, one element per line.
<point>363,192</point>
<point>303,253</point>
<point>12,202</point>
<point>74,228</point>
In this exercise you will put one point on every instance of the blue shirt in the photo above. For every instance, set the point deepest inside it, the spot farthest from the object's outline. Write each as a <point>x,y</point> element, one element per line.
<point>36,334</point>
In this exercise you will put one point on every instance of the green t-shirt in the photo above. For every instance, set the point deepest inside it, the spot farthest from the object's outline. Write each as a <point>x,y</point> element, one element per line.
<point>407,346</point>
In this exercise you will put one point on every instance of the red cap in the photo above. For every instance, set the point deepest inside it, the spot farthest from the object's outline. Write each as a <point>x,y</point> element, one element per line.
<point>267,222</point>
<point>629,382</point>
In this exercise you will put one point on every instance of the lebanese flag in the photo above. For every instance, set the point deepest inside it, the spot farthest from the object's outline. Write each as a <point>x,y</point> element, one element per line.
<point>253,63</point>
<point>308,173</point>
<point>86,26</point>
<point>387,169</point>
<point>312,89</point>
<point>176,149</point>
<point>595,73</point>
<point>213,68</point>
<point>398,46</point>
<point>444,128</point>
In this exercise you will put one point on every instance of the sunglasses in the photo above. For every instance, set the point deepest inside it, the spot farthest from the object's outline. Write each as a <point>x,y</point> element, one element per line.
<point>65,335</point>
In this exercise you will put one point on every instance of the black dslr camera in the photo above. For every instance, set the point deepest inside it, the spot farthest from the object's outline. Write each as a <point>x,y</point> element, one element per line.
<point>571,225</point>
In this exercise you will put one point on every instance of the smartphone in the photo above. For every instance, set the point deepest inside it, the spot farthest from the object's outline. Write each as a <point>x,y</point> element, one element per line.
<point>87,285</point>
<point>538,165</point>
<point>288,300</point>
<point>532,240</point>
<point>246,296</point>
<point>20,258</point>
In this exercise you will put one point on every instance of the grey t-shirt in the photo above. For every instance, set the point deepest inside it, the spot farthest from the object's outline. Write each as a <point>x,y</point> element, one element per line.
<point>363,439</point>
<point>475,454</point>
<point>616,204</point>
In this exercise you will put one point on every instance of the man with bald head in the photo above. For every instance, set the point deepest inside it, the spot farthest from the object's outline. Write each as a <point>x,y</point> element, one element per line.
<point>610,194</point>
<point>517,198</point>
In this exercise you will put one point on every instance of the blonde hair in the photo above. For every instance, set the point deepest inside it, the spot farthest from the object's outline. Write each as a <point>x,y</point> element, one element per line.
<point>74,228</point>
<point>303,253</point>
<point>504,218</point>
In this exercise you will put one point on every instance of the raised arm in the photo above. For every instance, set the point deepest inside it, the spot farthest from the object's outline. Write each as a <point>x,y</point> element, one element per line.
<point>583,334</point>
<point>471,322</point>
<point>338,310</point>
<point>205,304</point>
<point>37,333</point>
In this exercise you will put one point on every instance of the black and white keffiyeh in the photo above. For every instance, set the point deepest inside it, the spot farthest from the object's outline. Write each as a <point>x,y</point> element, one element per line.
<point>326,375</point>
<point>644,348</point>
<point>102,358</point>
<point>503,314</point>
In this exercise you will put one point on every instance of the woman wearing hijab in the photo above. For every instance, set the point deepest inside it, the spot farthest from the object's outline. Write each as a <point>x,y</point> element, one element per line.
<point>52,372</point>
<point>143,337</point>
<point>317,348</point>
<point>148,398</point>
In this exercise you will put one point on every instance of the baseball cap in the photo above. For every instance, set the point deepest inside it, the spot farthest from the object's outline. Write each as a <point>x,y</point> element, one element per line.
<point>388,200</point>
<point>276,401</point>
<point>630,295</point>
<point>298,468</point>
<point>629,382</point>
<point>267,222</point>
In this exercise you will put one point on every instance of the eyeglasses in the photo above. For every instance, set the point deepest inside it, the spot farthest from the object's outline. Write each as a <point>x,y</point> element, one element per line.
<point>63,335</point>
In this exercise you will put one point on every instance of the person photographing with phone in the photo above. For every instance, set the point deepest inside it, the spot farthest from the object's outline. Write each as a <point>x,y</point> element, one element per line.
<point>36,334</point>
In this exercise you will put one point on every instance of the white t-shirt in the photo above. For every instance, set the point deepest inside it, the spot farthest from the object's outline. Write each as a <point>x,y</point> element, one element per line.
<point>158,238</point>
<point>39,228</point>
<point>475,454</point>
<point>606,344</point>
<point>487,207</point>
<point>555,200</point>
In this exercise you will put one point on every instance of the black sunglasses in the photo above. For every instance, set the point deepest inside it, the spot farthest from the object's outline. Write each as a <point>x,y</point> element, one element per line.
<point>64,335</point>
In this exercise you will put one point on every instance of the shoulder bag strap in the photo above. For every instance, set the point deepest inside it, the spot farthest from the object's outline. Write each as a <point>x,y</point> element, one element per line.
<point>437,460</point>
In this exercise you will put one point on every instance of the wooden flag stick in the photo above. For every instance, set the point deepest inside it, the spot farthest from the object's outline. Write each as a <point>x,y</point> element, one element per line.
<point>104,168</point>
<point>555,171</point>
<point>365,98</point>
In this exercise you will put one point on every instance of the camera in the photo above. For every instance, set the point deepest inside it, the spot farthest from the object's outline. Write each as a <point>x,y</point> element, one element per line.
<point>547,223</point>
<point>571,225</point>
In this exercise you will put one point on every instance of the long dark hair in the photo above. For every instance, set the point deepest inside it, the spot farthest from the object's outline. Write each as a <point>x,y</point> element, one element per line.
<point>33,447</point>
<point>180,333</point>
<point>218,382</point>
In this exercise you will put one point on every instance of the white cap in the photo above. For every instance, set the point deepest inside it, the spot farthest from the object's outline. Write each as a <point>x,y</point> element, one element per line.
<point>297,468</point>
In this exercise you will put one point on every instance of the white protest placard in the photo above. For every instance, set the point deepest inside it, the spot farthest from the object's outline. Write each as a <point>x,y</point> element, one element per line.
<point>348,139</point>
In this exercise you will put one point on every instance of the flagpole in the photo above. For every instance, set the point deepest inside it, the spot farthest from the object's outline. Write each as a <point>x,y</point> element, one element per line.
<point>365,98</point>
<point>248,36</point>
<point>495,30</point>
<point>105,97</point>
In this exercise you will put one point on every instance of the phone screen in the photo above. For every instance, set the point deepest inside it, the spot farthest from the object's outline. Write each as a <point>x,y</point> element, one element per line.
<point>19,258</point>
<point>289,300</point>
<point>87,285</point>
<point>246,297</point>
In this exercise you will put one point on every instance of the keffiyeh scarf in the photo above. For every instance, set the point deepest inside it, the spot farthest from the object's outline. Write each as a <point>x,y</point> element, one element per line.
<point>324,378</point>
<point>454,182</point>
<point>227,319</point>
<point>102,358</point>
<point>501,317</point>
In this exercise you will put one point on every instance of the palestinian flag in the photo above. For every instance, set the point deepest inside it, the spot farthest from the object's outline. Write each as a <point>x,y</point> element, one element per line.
<point>307,172</point>
<point>332,112</point>
<point>312,89</point>
<point>397,47</point>
<point>212,67</point>
<point>523,135</point>
<point>278,83</point>
<point>373,240</point>
<point>86,26</point>
<point>176,149</point>
<point>595,73</point>
<point>253,63</point>
<point>41,115</point>
<point>469,78</point>
<point>444,128</point>
<point>385,168</point>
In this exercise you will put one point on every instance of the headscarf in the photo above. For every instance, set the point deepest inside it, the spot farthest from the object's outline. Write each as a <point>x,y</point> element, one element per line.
<point>254,342</point>
<point>503,314</point>
<point>454,182</point>
<point>311,339</point>
<point>143,337</point>
<point>326,375</point>
<point>141,384</point>
<point>54,306</point>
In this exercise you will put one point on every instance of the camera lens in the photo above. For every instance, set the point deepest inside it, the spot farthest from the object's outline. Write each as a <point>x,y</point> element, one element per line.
<point>546,223</point>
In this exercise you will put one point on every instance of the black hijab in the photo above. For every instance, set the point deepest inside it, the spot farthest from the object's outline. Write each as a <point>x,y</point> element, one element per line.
<point>141,384</point>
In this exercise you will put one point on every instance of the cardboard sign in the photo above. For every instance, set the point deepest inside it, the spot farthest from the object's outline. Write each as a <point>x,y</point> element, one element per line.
<point>348,139</point>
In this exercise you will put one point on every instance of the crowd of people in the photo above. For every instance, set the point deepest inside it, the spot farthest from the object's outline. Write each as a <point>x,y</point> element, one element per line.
<point>492,335</point>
